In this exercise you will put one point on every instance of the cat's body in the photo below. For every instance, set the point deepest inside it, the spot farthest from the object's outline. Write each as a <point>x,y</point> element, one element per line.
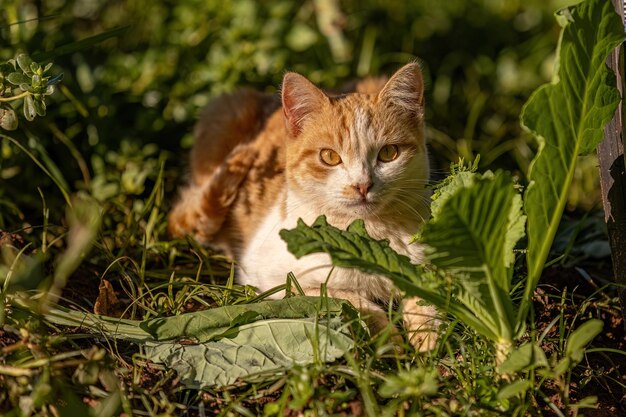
<point>257,167</point>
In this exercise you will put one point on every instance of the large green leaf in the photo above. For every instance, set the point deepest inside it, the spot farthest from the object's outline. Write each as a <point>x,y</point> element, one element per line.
<point>469,235</point>
<point>262,346</point>
<point>567,116</point>
<point>354,248</point>
<point>220,345</point>
<point>461,175</point>
<point>473,238</point>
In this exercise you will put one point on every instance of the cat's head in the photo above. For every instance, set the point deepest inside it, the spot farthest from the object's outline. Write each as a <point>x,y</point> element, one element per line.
<point>358,155</point>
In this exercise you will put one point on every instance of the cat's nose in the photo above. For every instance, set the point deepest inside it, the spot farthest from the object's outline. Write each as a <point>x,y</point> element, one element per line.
<point>363,188</point>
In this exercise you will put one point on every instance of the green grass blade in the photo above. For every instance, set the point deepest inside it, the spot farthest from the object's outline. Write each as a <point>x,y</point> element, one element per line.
<point>108,326</point>
<point>84,220</point>
<point>78,45</point>
<point>56,180</point>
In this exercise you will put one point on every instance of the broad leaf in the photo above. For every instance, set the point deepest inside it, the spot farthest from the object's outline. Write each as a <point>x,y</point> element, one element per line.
<point>581,337</point>
<point>354,248</point>
<point>587,402</point>
<point>262,346</point>
<point>461,176</point>
<point>29,108</point>
<point>575,346</point>
<point>567,117</point>
<point>469,234</point>
<point>25,63</point>
<point>514,388</point>
<point>412,383</point>
<point>473,238</point>
<point>527,356</point>
<point>220,345</point>
<point>17,78</point>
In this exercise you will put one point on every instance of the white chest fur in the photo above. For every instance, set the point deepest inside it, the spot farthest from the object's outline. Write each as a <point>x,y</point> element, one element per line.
<point>266,260</point>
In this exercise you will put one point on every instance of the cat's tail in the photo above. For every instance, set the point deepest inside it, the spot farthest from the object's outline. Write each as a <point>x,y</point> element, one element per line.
<point>202,208</point>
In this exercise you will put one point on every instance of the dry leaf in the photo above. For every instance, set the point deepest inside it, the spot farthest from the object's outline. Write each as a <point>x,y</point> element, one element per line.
<point>107,303</point>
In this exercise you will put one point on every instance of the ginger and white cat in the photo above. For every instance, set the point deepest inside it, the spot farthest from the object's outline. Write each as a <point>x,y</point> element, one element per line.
<point>259,164</point>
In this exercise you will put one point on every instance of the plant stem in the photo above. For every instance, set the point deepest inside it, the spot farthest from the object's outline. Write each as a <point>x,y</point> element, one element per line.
<point>13,98</point>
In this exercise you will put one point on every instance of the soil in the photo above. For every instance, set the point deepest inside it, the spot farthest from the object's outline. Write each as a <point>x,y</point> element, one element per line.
<point>601,374</point>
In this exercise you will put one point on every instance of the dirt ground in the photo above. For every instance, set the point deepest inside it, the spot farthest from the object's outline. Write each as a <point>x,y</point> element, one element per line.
<point>600,374</point>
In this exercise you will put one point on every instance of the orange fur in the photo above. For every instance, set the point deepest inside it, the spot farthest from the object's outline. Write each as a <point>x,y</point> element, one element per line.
<point>256,167</point>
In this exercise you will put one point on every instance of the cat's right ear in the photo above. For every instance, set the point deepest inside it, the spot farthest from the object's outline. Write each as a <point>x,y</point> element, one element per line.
<point>300,98</point>
<point>405,91</point>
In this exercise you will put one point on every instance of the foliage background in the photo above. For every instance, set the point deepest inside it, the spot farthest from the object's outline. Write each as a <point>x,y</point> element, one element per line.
<point>134,96</point>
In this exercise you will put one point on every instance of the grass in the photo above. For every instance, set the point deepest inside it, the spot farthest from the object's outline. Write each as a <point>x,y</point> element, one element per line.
<point>154,276</point>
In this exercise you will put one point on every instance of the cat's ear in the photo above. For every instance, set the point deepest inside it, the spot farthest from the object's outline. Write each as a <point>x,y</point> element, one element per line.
<point>300,98</point>
<point>405,91</point>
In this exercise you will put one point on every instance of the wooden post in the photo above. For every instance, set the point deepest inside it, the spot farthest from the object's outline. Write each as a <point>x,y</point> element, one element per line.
<point>613,175</point>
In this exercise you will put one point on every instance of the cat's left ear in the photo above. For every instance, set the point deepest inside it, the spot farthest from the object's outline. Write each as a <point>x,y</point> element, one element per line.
<point>300,98</point>
<point>405,91</point>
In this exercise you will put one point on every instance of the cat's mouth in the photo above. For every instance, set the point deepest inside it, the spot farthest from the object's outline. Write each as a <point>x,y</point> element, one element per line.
<point>362,206</point>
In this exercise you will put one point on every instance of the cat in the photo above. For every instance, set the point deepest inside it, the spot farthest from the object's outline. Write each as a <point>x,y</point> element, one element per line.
<point>260,162</point>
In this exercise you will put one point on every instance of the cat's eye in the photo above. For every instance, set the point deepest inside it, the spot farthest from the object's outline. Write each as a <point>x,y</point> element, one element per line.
<point>388,153</point>
<point>330,157</point>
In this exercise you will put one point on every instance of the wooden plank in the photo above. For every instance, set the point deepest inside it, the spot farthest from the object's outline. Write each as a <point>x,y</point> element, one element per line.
<point>613,175</point>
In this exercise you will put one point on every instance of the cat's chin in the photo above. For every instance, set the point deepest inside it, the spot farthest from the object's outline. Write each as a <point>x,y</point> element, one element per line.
<point>360,209</point>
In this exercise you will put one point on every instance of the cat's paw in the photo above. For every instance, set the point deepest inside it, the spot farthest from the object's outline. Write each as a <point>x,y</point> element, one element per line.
<point>423,340</point>
<point>421,324</point>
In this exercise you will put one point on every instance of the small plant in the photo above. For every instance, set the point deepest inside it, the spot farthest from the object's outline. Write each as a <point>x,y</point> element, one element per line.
<point>26,80</point>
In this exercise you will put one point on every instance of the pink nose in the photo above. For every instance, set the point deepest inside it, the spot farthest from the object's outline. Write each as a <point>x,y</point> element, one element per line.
<point>363,188</point>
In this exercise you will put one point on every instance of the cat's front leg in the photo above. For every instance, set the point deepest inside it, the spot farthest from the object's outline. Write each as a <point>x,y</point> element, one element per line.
<point>421,323</point>
<point>202,208</point>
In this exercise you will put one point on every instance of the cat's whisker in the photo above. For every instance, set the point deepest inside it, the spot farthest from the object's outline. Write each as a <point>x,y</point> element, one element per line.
<point>413,187</point>
<point>418,183</point>
<point>415,212</point>
<point>411,209</point>
<point>415,181</point>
